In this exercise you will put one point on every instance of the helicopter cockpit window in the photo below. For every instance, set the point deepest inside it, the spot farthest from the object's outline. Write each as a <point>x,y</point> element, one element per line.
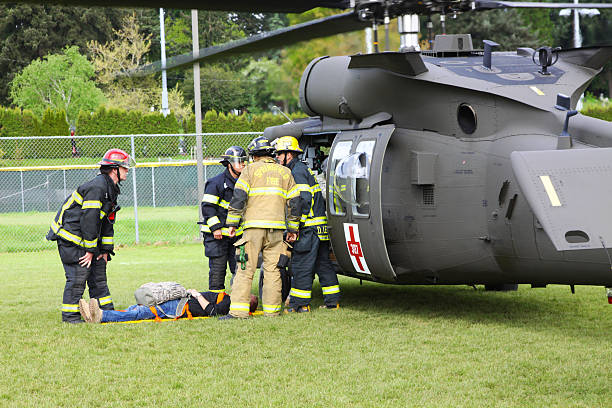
<point>338,189</point>
<point>352,179</point>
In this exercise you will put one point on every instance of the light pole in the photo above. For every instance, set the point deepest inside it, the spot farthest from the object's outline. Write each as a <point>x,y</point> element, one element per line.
<point>162,34</point>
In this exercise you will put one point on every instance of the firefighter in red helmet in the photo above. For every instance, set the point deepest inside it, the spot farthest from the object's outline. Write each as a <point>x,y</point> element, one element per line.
<point>83,230</point>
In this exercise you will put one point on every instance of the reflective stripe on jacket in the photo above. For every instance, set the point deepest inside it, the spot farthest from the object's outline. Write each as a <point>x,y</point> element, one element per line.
<point>217,194</point>
<point>83,219</point>
<point>262,192</point>
<point>312,205</point>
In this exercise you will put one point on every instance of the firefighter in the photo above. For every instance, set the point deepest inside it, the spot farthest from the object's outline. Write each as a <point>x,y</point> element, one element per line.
<point>83,229</point>
<point>263,192</point>
<point>218,246</point>
<point>311,251</point>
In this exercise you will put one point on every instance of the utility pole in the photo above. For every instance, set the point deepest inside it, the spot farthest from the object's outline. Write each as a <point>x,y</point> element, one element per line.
<point>577,34</point>
<point>197,106</point>
<point>162,33</point>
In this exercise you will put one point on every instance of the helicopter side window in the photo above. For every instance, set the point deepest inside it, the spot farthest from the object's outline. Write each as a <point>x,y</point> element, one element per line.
<point>339,187</point>
<point>364,153</point>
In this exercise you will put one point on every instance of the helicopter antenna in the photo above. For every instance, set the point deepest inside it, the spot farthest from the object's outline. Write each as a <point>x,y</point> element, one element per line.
<point>430,31</point>
<point>603,244</point>
<point>443,22</point>
<point>375,32</point>
<point>276,108</point>
<point>386,22</point>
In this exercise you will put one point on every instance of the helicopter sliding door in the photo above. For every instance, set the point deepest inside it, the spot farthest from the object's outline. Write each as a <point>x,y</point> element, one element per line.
<point>354,202</point>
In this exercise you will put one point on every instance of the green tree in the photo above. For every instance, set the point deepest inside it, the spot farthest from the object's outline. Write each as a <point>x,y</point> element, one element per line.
<point>28,32</point>
<point>505,27</point>
<point>268,84</point>
<point>126,52</point>
<point>59,81</point>
<point>221,90</point>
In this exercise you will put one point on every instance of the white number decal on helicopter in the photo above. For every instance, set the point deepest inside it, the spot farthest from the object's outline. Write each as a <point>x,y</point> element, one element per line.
<point>353,244</point>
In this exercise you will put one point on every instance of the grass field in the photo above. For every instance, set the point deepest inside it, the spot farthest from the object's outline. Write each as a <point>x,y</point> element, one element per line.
<point>388,345</point>
<point>176,225</point>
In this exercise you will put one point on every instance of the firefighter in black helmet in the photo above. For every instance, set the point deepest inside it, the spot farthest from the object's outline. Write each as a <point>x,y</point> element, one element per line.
<point>218,246</point>
<point>83,229</point>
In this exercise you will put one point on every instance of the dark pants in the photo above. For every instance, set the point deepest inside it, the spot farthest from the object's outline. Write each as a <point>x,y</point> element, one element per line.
<point>77,277</point>
<point>309,256</point>
<point>220,253</point>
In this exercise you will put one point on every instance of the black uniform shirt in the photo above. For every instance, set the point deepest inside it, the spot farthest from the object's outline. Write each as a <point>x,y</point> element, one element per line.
<point>213,308</point>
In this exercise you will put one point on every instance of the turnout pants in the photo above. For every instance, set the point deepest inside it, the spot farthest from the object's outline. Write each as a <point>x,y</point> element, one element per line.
<point>220,253</point>
<point>270,242</point>
<point>77,277</point>
<point>311,255</point>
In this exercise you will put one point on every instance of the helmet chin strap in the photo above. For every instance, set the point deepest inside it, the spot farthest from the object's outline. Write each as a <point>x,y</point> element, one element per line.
<point>118,176</point>
<point>233,170</point>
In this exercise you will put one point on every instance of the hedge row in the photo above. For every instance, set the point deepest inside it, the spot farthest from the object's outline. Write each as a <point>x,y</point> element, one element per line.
<point>16,123</point>
<point>599,112</point>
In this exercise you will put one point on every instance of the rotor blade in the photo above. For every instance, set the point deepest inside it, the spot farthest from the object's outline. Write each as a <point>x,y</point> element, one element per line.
<point>255,6</point>
<point>492,4</point>
<point>323,27</point>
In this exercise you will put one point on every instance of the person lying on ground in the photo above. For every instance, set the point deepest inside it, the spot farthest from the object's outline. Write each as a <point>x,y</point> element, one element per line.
<point>199,304</point>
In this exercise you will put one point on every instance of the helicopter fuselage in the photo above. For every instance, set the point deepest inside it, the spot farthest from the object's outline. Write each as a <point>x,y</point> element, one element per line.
<point>422,182</point>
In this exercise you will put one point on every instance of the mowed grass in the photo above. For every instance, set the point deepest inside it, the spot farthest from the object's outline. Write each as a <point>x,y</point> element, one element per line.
<point>390,346</point>
<point>27,231</point>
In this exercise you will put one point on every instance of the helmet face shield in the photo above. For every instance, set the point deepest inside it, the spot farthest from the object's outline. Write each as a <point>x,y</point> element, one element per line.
<point>234,155</point>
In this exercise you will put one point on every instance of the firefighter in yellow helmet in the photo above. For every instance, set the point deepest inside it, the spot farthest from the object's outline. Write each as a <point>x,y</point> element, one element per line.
<point>264,192</point>
<point>311,251</point>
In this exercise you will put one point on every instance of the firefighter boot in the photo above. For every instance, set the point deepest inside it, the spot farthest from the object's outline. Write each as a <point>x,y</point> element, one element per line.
<point>298,309</point>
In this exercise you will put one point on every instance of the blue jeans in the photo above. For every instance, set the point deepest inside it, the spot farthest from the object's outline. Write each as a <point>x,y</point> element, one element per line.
<point>140,312</point>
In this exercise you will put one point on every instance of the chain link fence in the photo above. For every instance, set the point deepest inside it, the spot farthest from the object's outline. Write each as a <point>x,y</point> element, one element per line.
<point>159,200</point>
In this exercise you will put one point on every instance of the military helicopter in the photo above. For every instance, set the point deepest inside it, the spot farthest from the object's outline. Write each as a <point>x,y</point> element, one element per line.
<point>453,165</point>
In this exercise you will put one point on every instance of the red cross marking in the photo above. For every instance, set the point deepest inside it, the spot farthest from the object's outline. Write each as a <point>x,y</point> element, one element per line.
<point>355,248</point>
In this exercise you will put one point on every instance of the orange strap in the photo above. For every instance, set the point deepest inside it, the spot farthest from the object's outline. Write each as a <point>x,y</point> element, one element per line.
<point>185,309</point>
<point>220,297</point>
<point>154,310</point>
